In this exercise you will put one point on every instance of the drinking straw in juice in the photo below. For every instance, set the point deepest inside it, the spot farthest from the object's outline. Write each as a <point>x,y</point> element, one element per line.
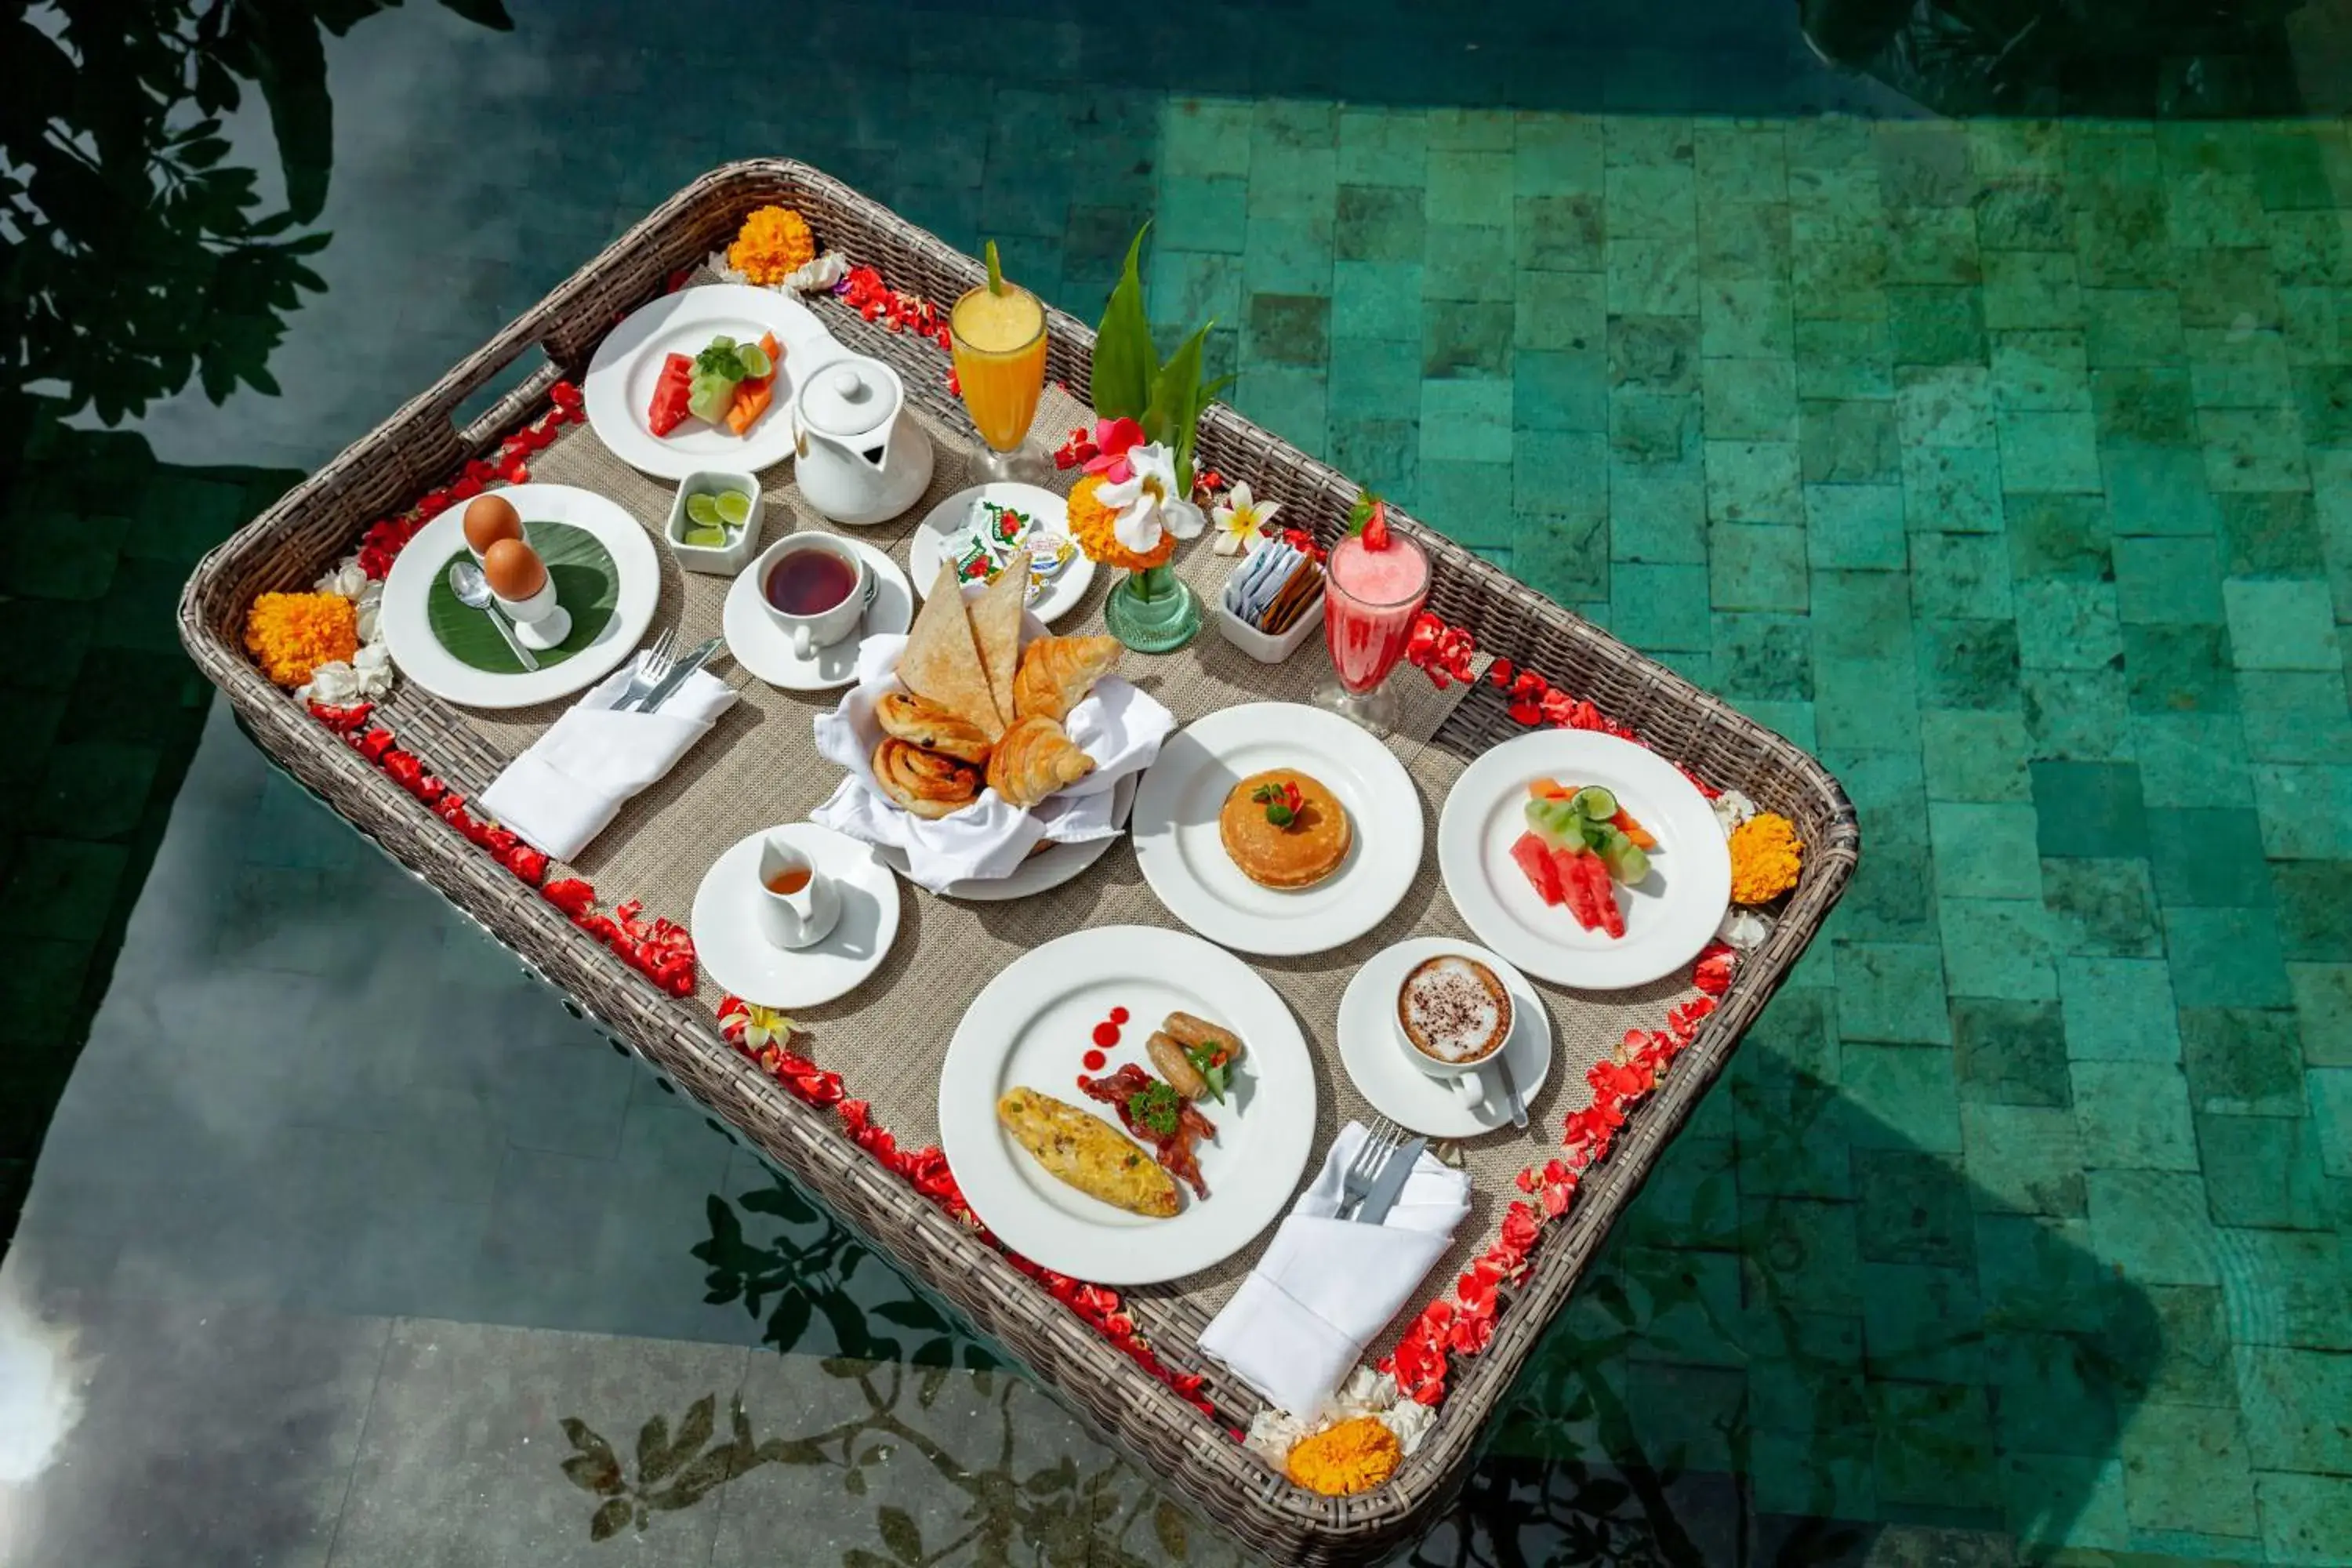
<point>1000,361</point>
<point>1368,613</point>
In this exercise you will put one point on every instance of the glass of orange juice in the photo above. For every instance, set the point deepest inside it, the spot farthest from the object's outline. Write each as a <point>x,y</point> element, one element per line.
<point>999,333</point>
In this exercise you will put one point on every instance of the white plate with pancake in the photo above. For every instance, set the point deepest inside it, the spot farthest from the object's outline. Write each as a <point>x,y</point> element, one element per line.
<point>1180,844</point>
<point>1031,1027</point>
<point>1380,1062</point>
<point>1670,914</point>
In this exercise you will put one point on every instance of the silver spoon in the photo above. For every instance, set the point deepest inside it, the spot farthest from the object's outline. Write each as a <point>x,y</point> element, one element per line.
<point>473,590</point>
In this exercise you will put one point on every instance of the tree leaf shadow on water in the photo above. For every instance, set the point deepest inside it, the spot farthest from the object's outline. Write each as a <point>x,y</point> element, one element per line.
<point>137,256</point>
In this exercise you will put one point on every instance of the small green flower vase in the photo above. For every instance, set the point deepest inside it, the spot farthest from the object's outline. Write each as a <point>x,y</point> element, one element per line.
<point>1153,610</point>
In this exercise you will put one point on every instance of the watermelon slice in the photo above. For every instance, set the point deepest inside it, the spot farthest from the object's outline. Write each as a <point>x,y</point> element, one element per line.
<point>1534,858</point>
<point>1577,886</point>
<point>671,393</point>
<point>1604,896</point>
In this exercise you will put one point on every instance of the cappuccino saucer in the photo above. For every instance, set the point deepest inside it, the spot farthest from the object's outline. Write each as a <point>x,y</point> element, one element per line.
<point>762,648</point>
<point>1379,1059</point>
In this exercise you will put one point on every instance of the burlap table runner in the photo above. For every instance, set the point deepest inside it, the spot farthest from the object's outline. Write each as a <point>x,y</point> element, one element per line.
<point>888,1038</point>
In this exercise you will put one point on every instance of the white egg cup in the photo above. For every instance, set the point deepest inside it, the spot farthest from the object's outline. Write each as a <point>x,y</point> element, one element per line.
<point>539,622</point>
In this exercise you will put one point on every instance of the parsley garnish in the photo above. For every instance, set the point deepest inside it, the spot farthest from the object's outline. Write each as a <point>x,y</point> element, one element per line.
<point>1157,1109</point>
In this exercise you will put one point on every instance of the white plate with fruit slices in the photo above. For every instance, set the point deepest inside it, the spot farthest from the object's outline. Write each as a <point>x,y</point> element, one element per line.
<point>1670,900</point>
<point>619,386</point>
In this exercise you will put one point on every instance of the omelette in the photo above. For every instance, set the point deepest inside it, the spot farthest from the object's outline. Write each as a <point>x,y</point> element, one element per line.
<point>1087,1152</point>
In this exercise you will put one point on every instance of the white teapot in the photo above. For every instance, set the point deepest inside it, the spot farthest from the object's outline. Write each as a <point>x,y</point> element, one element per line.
<point>862,458</point>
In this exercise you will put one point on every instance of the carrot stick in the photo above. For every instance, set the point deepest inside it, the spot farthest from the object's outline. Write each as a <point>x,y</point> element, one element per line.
<point>753,398</point>
<point>1623,823</point>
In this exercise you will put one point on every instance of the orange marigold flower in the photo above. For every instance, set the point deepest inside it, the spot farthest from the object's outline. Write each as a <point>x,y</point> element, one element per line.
<point>1090,525</point>
<point>1766,857</point>
<point>773,244</point>
<point>292,634</point>
<point>1342,1460</point>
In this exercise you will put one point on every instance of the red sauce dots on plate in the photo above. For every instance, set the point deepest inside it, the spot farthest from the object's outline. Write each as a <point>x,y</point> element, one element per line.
<point>1106,1036</point>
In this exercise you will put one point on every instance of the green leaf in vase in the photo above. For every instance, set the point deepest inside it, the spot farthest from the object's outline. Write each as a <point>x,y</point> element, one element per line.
<point>1175,402</point>
<point>1125,359</point>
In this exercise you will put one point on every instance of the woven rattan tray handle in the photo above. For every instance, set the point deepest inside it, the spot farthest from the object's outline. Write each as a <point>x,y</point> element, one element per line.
<point>510,409</point>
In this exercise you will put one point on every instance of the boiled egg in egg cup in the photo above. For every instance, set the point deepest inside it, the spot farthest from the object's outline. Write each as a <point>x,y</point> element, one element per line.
<point>519,582</point>
<point>488,519</point>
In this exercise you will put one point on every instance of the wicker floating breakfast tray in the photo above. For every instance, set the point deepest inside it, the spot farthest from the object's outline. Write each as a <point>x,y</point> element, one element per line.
<point>888,1038</point>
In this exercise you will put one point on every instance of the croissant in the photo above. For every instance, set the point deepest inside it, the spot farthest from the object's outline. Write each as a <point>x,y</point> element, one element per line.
<point>1032,760</point>
<point>924,782</point>
<point>921,722</point>
<point>1057,673</point>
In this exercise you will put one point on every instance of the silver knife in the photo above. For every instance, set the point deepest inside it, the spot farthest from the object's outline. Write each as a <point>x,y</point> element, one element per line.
<point>1511,1089</point>
<point>1385,1186</point>
<point>678,672</point>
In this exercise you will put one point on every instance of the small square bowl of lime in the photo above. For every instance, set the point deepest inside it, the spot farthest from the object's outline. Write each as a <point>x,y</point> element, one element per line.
<point>714,524</point>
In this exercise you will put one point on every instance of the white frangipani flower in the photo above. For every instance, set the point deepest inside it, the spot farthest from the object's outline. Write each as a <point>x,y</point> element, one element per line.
<point>1147,502</point>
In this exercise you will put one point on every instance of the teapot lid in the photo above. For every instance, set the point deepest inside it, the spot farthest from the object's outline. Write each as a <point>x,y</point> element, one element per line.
<point>851,398</point>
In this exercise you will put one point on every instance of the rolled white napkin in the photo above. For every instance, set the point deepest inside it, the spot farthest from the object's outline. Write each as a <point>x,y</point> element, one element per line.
<point>1325,1287</point>
<point>562,791</point>
<point>1117,725</point>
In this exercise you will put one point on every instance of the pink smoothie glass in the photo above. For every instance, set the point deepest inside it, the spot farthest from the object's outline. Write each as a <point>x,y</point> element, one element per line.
<point>1370,599</point>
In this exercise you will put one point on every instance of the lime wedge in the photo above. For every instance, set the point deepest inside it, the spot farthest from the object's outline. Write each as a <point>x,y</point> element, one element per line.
<point>734,508</point>
<point>754,360</point>
<point>703,509</point>
<point>706,538</point>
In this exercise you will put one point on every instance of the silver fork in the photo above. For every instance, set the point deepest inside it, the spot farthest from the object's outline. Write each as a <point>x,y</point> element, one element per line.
<point>651,666</point>
<point>1382,1138</point>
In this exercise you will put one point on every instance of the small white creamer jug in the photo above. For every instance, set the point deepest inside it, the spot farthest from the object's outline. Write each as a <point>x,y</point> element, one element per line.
<point>798,903</point>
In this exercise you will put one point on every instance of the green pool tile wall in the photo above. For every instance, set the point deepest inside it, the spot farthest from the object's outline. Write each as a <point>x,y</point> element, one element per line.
<point>2009,464</point>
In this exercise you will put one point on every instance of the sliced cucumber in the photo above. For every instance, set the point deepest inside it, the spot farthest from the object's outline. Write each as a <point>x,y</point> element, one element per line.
<point>1595,802</point>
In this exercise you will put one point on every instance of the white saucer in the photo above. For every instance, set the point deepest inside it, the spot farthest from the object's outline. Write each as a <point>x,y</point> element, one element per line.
<point>1380,1064</point>
<point>725,924</point>
<point>767,653</point>
<point>1053,515</point>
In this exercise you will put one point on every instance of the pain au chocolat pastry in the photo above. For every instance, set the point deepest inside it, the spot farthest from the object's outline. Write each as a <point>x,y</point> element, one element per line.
<point>924,725</point>
<point>1057,673</point>
<point>1285,829</point>
<point>1032,759</point>
<point>924,782</point>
